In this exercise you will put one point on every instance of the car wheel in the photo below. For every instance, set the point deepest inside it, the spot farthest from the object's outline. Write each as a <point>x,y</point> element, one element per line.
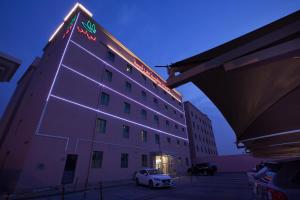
<point>137,182</point>
<point>151,184</point>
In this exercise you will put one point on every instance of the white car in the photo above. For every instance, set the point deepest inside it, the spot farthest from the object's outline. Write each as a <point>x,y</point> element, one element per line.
<point>153,178</point>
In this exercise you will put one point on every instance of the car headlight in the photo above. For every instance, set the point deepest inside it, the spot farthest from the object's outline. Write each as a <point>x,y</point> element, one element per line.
<point>157,179</point>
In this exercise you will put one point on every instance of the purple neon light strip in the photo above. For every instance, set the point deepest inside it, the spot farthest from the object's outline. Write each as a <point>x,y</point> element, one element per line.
<point>114,116</point>
<point>124,75</point>
<point>101,84</point>
<point>62,57</point>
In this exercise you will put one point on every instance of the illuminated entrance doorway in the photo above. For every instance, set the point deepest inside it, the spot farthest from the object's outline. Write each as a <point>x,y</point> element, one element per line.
<point>165,163</point>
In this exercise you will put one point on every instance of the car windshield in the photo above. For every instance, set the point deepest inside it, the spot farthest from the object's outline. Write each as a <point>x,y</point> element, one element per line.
<point>154,171</point>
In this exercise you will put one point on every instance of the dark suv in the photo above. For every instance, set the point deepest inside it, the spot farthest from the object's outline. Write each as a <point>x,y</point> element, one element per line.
<point>202,169</point>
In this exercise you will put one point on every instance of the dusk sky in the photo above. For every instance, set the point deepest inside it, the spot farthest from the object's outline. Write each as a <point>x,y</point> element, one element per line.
<point>160,32</point>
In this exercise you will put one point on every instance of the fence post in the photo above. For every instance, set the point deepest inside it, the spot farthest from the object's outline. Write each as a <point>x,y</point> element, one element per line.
<point>100,190</point>
<point>63,192</point>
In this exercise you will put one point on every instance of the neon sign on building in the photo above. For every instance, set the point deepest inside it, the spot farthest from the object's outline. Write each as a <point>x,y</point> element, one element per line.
<point>89,30</point>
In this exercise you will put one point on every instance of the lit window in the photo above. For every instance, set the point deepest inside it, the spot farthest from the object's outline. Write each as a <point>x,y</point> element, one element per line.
<point>108,75</point>
<point>104,99</point>
<point>129,69</point>
<point>144,160</point>
<point>97,159</point>
<point>125,131</point>
<point>124,160</point>
<point>128,87</point>
<point>144,136</point>
<point>157,139</point>
<point>111,56</point>
<point>126,108</point>
<point>100,125</point>
<point>144,114</point>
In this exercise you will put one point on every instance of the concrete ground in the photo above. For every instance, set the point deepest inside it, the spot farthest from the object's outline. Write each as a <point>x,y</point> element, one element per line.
<point>219,187</point>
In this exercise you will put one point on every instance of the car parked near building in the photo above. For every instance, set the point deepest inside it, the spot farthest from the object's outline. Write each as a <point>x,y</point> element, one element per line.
<point>153,178</point>
<point>202,169</point>
<point>278,181</point>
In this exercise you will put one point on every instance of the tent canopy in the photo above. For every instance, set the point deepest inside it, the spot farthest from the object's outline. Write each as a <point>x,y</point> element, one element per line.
<point>254,80</point>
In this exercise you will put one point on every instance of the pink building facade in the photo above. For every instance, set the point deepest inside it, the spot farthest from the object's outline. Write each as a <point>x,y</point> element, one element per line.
<point>200,133</point>
<point>87,111</point>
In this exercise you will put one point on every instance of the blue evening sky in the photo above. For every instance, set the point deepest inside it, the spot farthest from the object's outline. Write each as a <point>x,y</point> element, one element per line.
<point>160,32</point>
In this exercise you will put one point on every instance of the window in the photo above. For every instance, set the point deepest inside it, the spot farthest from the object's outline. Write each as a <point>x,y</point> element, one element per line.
<point>176,126</point>
<point>144,136</point>
<point>178,142</point>
<point>100,125</point>
<point>144,95</point>
<point>125,131</point>
<point>174,112</point>
<point>184,143</point>
<point>144,160</point>
<point>194,124</point>
<point>108,75</point>
<point>129,69</point>
<point>166,107</point>
<point>104,99</point>
<point>197,148</point>
<point>154,85</point>
<point>155,101</point>
<point>144,114</point>
<point>181,115</point>
<point>182,129</point>
<point>124,160</point>
<point>167,124</point>
<point>144,78</point>
<point>128,86</point>
<point>111,56</point>
<point>187,161</point>
<point>97,159</point>
<point>195,136</point>
<point>126,108</point>
<point>179,103</point>
<point>192,113</point>
<point>157,139</point>
<point>169,140</point>
<point>156,121</point>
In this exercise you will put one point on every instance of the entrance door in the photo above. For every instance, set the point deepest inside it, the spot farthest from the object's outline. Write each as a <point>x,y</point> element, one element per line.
<point>69,171</point>
<point>164,163</point>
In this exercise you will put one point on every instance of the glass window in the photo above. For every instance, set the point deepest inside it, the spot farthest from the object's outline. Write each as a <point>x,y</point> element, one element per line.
<point>166,107</point>
<point>111,56</point>
<point>187,161</point>
<point>125,131</point>
<point>176,126</point>
<point>144,160</point>
<point>157,141</point>
<point>154,85</point>
<point>197,148</point>
<point>129,69</point>
<point>124,160</point>
<point>182,129</point>
<point>184,143</point>
<point>181,115</point>
<point>144,78</point>
<point>126,108</point>
<point>144,95</point>
<point>100,125</point>
<point>156,120</point>
<point>174,112</point>
<point>144,114</point>
<point>178,142</point>
<point>144,136</point>
<point>97,159</point>
<point>104,99</point>
<point>167,124</point>
<point>169,140</point>
<point>108,75</point>
<point>128,86</point>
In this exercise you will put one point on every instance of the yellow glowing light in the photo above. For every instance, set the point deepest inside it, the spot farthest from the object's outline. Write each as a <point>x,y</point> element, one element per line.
<point>68,15</point>
<point>154,80</point>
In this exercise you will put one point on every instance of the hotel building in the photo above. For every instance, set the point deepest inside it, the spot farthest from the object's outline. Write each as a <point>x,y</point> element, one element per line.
<point>200,133</point>
<point>89,110</point>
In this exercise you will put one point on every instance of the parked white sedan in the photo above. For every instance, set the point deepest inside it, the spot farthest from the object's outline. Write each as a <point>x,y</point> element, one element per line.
<point>153,178</point>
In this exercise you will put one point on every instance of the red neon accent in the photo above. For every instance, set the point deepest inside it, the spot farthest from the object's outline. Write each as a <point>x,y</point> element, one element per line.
<point>276,195</point>
<point>84,32</point>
